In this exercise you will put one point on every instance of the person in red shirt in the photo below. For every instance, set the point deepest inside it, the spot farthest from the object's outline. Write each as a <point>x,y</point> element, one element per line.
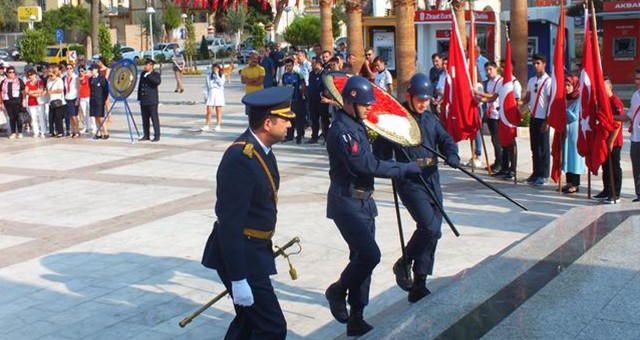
<point>615,146</point>
<point>33,92</point>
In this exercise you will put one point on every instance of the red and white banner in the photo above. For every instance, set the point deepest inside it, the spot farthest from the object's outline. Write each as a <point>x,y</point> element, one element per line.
<point>484,17</point>
<point>621,6</point>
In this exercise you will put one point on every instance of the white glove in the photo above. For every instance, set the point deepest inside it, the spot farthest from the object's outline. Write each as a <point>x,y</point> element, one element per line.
<point>242,294</point>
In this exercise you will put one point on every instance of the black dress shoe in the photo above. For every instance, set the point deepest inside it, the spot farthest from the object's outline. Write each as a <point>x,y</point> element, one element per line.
<point>508,176</point>
<point>356,326</point>
<point>402,271</point>
<point>496,168</point>
<point>155,139</point>
<point>499,173</point>
<point>144,138</point>
<point>312,141</point>
<point>337,303</point>
<point>419,289</point>
<point>298,140</point>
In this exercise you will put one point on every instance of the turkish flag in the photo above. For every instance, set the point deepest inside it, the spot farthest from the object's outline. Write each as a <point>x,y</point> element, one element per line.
<point>509,114</point>
<point>557,117</point>
<point>462,116</point>
<point>215,5</point>
<point>596,119</point>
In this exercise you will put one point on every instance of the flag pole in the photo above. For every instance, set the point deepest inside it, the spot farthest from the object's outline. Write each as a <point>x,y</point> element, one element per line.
<point>515,162</point>
<point>611,180</point>
<point>473,154</point>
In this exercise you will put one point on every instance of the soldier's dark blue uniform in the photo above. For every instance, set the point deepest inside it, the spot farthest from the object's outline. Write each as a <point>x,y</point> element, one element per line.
<point>240,246</point>
<point>420,249</point>
<point>148,97</point>
<point>351,206</point>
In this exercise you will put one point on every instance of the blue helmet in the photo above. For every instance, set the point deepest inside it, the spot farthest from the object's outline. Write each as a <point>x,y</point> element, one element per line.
<point>419,86</point>
<point>358,90</point>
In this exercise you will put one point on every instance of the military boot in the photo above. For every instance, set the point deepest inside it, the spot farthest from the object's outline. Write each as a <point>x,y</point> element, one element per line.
<point>402,271</point>
<point>419,289</point>
<point>356,326</point>
<point>337,302</point>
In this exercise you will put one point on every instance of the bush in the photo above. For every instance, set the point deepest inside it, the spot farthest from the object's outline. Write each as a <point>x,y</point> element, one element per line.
<point>117,55</point>
<point>526,118</point>
<point>33,45</point>
<point>104,43</point>
<point>204,48</point>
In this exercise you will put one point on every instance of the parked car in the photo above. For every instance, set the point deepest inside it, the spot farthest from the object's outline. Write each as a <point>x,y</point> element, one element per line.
<point>56,53</point>
<point>127,52</point>
<point>243,55</point>
<point>4,55</point>
<point>165,49</point>
<point>218,44</point>
<point>14,52</point>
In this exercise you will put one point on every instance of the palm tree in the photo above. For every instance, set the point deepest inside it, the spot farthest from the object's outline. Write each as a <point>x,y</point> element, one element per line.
<point>355,43</point>
<point>326,28</point>
<point>405,43</point>
<point>95,28</point>
<point>519,38</point>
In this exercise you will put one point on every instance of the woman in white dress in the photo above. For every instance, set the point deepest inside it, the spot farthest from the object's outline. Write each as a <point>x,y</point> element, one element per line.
<point>215,96</point>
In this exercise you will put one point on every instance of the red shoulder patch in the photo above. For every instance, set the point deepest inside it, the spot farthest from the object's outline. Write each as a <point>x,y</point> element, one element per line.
<point>354,147</point>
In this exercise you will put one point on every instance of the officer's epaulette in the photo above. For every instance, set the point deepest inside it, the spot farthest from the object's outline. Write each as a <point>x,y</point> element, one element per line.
<point>248,150</point>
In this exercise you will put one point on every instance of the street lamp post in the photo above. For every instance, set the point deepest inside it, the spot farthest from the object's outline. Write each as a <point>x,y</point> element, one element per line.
<point>150,10</point>
<point>287,10</point>
<point>183,16</point>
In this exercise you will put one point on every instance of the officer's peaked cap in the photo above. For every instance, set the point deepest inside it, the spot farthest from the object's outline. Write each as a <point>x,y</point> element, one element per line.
<point>271,101</point>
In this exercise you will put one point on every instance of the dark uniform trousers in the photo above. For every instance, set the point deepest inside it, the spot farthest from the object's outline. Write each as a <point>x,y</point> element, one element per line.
<point>497,148</point>
<point>422,245</point>
<point>150,112</point>
<point>540,152</point>
<point>246,199</point>
<point>349,202</point>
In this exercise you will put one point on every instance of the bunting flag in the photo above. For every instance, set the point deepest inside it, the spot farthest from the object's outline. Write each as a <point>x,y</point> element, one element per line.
<point>245,3</point>
<point>215,5</point>
<point>509,114</point>
<point>264,5</point>
<point>235,5</point>
<point>196,3</point>
<point>557,117</point>
<point>297,3</point>
<point>225,4</point>
<point>462,116</point>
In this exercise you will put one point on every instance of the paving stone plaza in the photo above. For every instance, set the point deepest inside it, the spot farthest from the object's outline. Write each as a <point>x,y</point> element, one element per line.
<point>102,239</point>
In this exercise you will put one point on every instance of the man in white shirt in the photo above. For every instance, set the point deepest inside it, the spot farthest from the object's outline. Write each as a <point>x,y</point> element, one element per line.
<point>538,97</point>
<point>633,116</point>
<point>383,77</point>
<point>490,96</point>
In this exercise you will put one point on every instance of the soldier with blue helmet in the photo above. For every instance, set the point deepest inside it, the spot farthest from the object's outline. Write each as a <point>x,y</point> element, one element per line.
<point>239,247</point>
<point>421,248</point>
<point>350,203</point>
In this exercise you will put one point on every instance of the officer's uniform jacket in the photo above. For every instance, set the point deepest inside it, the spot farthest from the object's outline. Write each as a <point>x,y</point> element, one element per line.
<point>435,137</point>
<point>148,88</point>
<point>352,167</point>
<point>245,199</point>
<point>98,91</point>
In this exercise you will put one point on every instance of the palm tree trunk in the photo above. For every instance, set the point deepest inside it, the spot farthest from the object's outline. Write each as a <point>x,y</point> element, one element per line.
<point>355,43</point>
<point>95,28</point>
<point>459,10</point>
<point>519,39</point>
<point>405,43</point>
<point>326,29</point>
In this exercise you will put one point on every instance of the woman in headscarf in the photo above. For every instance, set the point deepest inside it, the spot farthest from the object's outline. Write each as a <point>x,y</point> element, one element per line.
<point>572,162</point>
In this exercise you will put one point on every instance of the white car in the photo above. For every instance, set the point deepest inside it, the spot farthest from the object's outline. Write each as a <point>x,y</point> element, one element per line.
<point>218,44</point>
<point>165,49</point>
<point>130,53</point>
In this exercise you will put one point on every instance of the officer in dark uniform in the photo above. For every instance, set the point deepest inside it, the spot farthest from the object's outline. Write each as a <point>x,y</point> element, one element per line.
<point>421,248</point>
<point>148,97</point>
<point>350,203</point>
<point>239,246</point>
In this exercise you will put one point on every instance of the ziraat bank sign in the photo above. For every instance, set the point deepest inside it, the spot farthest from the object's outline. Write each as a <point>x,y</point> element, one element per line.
<point>621,6</point>
<point>447,16</point>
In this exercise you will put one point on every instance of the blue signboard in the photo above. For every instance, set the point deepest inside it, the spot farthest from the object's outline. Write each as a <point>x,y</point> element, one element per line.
<point>59,35</point>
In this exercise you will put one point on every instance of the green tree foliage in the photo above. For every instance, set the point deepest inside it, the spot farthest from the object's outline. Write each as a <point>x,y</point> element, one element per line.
<point>577,10</point>
<point>104,42</point>
<point>117,55</point>
<point>236,20</point>
<point>67,18</point>
<point>190,43</point>
<point>33,45</point>
<point>204,48</point>
<point>171,18</point>
<point>337,15</point>
<point>257,15</point>
<point>221,22</point>
<point>258,33</point>
<point>143,18</point>
<point>303,31</point>
<point>9,16</point>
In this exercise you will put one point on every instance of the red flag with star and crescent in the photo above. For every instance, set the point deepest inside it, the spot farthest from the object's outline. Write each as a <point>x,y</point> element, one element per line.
<point>557,118</point>
<point>462,114</point>
<point>509,114</point>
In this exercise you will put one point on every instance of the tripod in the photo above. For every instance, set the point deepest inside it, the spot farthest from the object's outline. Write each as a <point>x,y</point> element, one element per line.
<point>128,114</point>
